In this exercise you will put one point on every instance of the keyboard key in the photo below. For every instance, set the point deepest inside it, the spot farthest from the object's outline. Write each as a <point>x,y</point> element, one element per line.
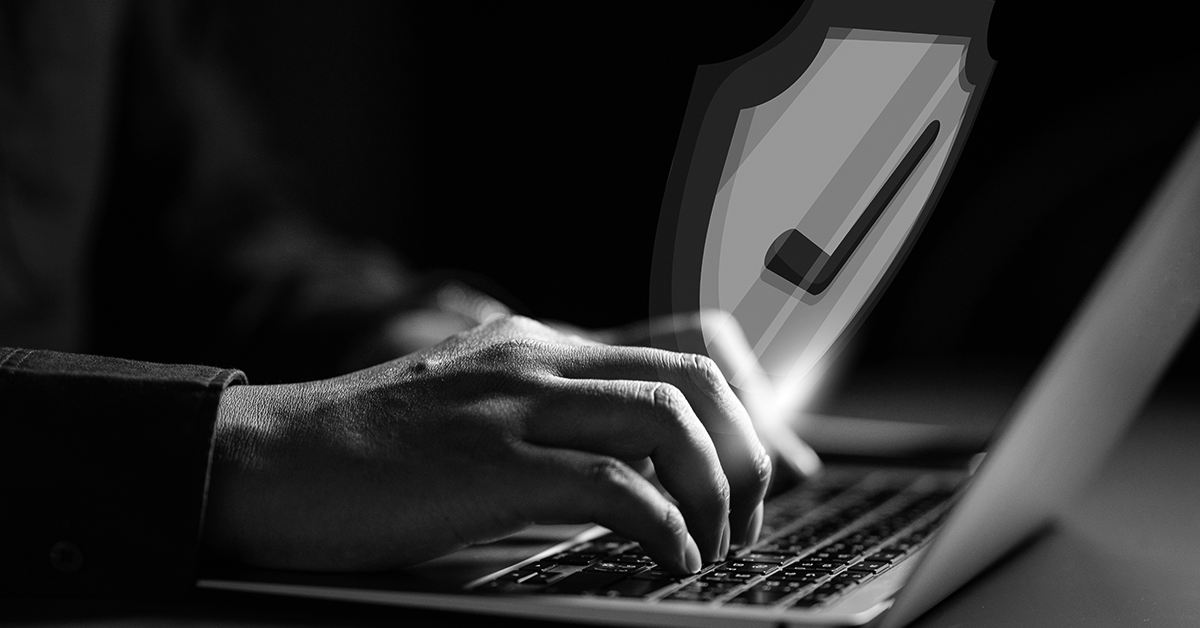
<point>613,567</point>
<point>516,575</point>
<point>854,576</point>
<point>583,582</point>
<point>826,591</point>
<point>606,544</point>
<point>838,556</point>
<point>723,575</point>
<point>747,566</point>
<point>692,596</point>
<point>839,582</point>
<point>887,555</point>
<point>703,591</point>
<point>636,587</point>
<point>762,597</point>
<point>618,567</point>
<point>819,564</point>
<point>545,577</point>
<point>789,547</point>
<point>576,558</point>
<point>870,568</point>
<point>653,573</point>
<point>805,576</point>
<point>767,557</point>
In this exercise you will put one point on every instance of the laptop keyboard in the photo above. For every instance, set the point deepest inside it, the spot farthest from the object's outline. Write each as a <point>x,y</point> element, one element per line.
<point>818,542</point>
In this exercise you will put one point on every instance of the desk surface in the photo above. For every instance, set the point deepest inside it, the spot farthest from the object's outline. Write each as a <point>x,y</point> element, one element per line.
<point>1126,552</point>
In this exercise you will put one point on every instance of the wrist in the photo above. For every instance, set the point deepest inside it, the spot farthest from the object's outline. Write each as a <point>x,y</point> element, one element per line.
<point>245,415</point>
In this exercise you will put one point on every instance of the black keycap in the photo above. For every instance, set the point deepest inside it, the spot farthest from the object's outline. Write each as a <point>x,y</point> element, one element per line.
<point>869,568</point>
<point>761,597</point>
<point>840,581</point>
<point>692,596</point>
<point>886,555</point>
<point>653,574</point>
<point>572,558</point>
<point>516,575</point>
<point>613,567</point>
<point>747,566</point>
<point>636,587</point>
<point>702,591</point>
<point>836,555</point>
<point>722,575</point>
<point>767,557</point>
<point>827,565</point>
<point>584,582</point>
<point>806,576</point>
<point>545,577</point>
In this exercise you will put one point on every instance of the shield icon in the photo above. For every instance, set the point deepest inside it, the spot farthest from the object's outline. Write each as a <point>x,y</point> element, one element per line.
<point>806,169</point>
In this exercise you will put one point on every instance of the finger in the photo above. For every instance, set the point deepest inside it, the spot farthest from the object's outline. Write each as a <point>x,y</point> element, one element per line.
<point>729,348</point>
<point>717,334</point>
<point>577,487</point>
<point>755,528</point>
<point>747,465</point>
<point>639,419</point>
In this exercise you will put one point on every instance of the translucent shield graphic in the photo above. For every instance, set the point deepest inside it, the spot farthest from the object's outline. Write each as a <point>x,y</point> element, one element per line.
<point>815,162</point>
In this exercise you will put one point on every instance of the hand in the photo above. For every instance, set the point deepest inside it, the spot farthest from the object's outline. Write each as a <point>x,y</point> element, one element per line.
<point>718,335</point>
<point>508,424</point>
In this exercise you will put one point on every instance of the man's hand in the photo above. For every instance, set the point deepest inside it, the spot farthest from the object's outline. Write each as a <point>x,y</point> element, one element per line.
<point>717,334</point>
<point>508,424</point>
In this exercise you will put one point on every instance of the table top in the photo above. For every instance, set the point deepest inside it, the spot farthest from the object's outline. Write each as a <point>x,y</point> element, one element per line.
<point>1125,552</point>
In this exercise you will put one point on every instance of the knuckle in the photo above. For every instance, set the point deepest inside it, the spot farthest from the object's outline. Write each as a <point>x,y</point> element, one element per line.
<point>609,473</point>
<point>514,351</point>
<point>518,346</point>
<point>512,361</point>
<point>703,371</point>
<point>667,400</point>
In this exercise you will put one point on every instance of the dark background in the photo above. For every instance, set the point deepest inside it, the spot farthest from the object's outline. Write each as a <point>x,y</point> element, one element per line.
<point>533,145</point>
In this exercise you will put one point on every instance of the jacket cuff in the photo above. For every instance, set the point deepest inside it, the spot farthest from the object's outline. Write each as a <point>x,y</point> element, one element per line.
<point>104,463</point>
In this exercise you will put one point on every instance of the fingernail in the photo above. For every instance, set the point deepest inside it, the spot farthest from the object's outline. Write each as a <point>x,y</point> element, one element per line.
<point>691,555</point>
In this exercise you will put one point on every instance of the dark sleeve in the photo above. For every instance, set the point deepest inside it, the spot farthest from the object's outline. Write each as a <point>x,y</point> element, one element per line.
<point>103,468</point>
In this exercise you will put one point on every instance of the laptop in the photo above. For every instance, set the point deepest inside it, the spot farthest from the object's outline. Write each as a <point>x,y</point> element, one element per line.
<point>858,543</point>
